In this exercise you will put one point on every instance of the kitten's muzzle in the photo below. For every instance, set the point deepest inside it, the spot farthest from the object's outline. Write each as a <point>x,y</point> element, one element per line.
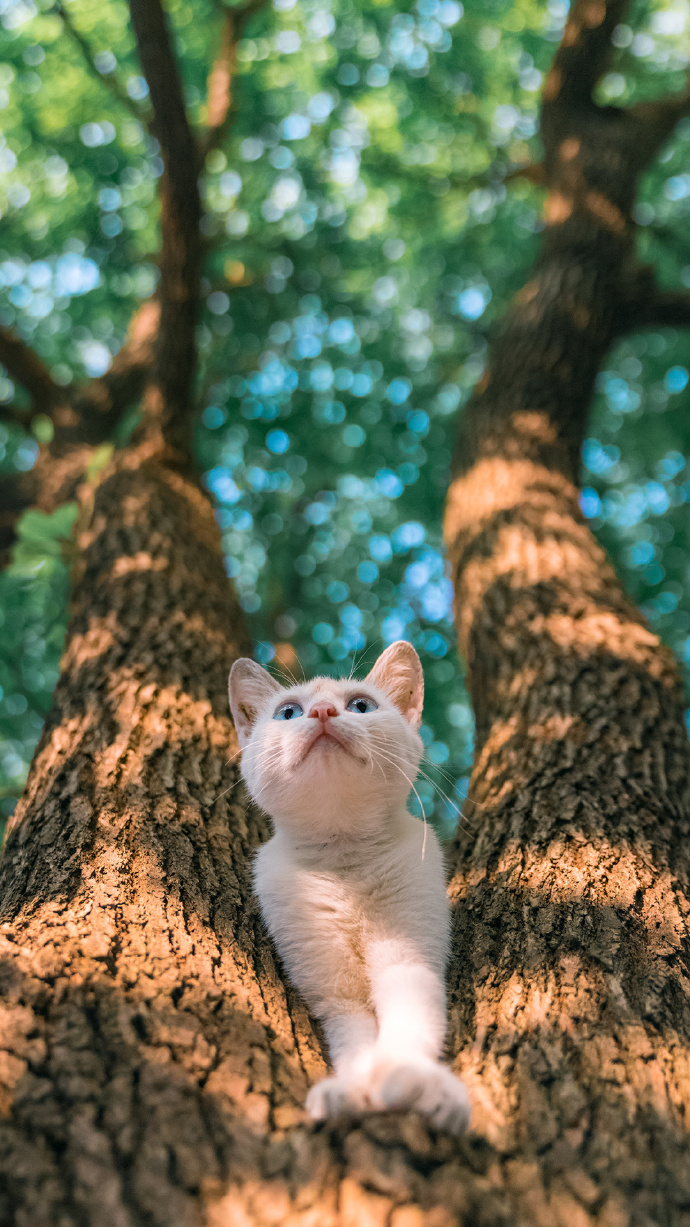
<point>324,733</point>
<point>326,737</point>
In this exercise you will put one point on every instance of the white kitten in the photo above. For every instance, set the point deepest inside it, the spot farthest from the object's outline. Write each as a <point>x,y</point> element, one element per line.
<point>358,912</point>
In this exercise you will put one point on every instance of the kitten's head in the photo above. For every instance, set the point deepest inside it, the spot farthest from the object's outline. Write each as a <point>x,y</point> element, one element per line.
<point>328,755</point>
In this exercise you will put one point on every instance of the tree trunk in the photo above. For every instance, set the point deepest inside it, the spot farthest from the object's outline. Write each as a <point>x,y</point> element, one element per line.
<point>153,1059</point>
<point>571,869</point>
<point>145,1031</point>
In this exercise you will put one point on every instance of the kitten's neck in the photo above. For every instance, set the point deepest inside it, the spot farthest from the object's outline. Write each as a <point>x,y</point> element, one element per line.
<point>346,833</point>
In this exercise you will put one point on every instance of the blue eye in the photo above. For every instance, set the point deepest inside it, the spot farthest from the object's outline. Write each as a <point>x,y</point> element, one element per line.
<point>289,711</point>
<point>361,704</point>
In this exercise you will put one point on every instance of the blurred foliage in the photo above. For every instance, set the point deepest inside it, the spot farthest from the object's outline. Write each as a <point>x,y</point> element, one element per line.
<point>363,232</point>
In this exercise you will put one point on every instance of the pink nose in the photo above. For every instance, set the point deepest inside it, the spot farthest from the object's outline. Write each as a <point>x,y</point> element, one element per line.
<point>321,711</point>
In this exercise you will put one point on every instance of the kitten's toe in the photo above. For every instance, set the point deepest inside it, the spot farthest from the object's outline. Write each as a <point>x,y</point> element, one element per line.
<point>432,1090</point>
<point>448,1106</point>
<point>330,1098</point>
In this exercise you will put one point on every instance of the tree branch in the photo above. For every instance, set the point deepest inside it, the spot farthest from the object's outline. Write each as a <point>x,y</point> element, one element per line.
<point>222,72</point>
<point>26,368</point>
<point>594,155</point>
<point>85,414</point>
<point>168,397</point>
<point>108,79</point>
<point>100,402</point>
<point>569,113</point>
<point>660,309</point>
<point>655,121</point>
<point>584,53</point>
<point>83,418</point>
<point>219,84</point>
<point>532,171</point>
<point>13,501</point>
<point>9,414</point>
<point>162,332</point>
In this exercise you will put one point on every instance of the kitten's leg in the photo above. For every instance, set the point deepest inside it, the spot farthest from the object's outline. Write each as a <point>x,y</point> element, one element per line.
<point>351,1037</point>
<point>410,1002</point>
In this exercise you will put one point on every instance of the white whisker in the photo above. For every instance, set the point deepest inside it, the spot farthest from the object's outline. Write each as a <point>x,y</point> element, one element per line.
<point>286,675</point>
<point>356,663</point>
<point>397,766</point>
<point>222,794</point>
<point>433,784</point>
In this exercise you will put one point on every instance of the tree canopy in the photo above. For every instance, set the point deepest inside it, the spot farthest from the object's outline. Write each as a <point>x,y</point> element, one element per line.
<point>371,202</point>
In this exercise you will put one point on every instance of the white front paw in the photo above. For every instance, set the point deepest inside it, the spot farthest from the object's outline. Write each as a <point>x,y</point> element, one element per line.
<point>333,1097</point>
<point>412,1086</point>
<point>428,1088</point>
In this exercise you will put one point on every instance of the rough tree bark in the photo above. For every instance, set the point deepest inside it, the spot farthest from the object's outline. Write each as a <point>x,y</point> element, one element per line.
<point>153,1060</point>
<point>571,875</point>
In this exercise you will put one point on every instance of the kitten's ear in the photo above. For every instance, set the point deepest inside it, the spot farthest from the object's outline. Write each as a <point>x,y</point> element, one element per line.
<point>249,687</point>
<point>398,672</point>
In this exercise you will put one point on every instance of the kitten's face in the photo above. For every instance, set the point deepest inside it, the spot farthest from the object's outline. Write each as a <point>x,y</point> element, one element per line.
<point>330,755</point>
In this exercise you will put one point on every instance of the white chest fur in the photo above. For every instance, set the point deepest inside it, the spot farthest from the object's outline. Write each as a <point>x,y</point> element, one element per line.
<point>329,909</point>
